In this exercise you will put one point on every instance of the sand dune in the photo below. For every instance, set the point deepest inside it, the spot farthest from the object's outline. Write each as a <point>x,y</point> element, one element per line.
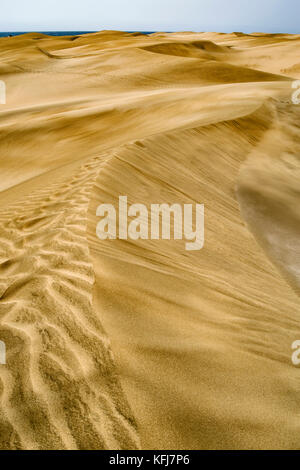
<point>196,49</point>
<point>122,344</point>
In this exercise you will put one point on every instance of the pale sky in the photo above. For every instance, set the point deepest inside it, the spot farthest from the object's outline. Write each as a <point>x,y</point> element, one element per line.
<point>151,15</point>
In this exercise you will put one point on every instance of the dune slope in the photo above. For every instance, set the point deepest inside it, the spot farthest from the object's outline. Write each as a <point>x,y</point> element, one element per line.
<point>121,344</point>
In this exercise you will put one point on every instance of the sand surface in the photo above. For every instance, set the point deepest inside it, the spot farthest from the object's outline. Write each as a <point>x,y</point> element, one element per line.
<point>122,344</point>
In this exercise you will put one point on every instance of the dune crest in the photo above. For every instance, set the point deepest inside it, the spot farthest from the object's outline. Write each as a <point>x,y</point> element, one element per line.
<point>268,192</point>
<point>116,344</point>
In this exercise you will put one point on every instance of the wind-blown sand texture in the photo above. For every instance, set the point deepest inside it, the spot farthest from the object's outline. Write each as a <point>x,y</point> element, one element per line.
<point>123,345</point>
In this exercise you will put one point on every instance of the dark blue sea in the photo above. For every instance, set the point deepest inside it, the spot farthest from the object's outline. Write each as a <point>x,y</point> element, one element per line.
<point>60,33</point>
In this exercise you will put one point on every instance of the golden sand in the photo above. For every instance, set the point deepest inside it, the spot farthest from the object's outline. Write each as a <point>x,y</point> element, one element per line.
<point>117,344</point>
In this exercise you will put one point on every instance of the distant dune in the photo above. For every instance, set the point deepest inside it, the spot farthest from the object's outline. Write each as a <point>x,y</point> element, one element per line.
<point>122,344</point>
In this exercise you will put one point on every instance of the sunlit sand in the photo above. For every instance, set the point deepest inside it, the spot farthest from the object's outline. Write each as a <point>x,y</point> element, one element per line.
<point>121,344</point>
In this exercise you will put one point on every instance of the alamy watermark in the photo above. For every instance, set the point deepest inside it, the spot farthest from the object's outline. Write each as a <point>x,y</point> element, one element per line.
<point>296,354</point>
<point>2,92</point>
<point>2,353</point>
<point>296,94</point>
<point>154,224</point>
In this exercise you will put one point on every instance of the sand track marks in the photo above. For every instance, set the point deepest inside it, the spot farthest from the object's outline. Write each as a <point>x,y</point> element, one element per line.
<point>58,389</point>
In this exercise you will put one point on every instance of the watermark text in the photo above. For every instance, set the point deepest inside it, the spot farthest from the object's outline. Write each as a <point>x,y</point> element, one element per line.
<point>296,94</point>
<point>162,222</point>
<point>2,92</point>
<point>2,353</point>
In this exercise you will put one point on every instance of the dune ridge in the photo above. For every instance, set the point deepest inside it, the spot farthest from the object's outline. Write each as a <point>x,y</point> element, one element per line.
<point>175,307</point>
<point>126,345</point>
